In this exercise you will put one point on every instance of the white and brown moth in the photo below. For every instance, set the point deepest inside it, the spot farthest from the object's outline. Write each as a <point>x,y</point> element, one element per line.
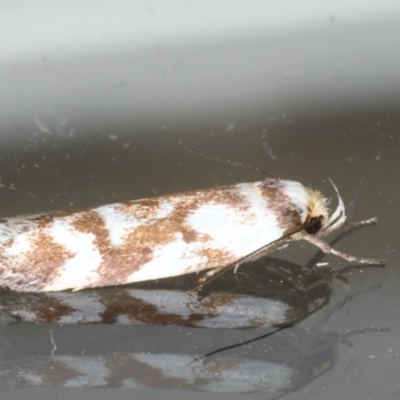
<point>210,229</point>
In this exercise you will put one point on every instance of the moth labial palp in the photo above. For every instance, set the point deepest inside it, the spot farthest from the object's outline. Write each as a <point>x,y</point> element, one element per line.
<point>215,229</point>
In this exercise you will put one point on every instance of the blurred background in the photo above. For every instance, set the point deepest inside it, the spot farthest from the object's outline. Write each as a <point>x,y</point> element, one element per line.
<point>95,97</point>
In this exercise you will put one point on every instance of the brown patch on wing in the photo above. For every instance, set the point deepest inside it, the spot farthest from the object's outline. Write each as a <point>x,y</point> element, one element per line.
<point>287,213</point>
<point>39,266</point>
<point>117,262</point>
<point>214,257</point>
<point>46,256</point>
<point>148,208</point>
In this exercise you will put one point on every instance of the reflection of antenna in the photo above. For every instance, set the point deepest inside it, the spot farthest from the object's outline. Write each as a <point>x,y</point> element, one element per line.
<point>256,339</point>
<point>316,327</point>
<point>226,160</point>
<point>232,346</point>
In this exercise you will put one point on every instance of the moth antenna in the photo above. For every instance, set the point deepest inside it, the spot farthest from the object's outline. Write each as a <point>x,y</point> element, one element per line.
<point>227,160</point>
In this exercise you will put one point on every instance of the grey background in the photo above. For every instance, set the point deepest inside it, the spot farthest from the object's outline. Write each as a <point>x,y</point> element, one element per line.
<point>95,99</point>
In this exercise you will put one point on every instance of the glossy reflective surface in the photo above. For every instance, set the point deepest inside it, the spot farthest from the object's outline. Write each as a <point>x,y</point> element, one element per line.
<point>96,128</point>
<point>361,157</point>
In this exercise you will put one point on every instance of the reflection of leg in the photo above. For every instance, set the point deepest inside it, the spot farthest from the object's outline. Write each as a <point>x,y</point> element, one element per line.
<point>327,249</point>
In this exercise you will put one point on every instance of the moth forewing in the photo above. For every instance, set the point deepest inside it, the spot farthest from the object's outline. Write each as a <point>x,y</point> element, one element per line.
<point>216,228</point>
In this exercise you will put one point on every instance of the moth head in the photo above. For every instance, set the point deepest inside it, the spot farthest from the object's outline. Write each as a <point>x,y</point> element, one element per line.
<point>317,212</point>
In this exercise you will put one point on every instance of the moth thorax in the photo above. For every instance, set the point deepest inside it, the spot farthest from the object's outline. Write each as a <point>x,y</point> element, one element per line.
<point>317,212</point>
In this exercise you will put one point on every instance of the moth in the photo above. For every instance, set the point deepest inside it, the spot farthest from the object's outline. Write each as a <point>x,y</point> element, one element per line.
<point>214,229</point>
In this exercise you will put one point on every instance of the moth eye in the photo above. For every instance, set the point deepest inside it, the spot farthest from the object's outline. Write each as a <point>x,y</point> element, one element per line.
<point>314,224</point>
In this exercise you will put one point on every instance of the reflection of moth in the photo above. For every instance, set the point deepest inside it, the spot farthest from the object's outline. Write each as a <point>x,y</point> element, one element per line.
<point>216,228</point>
<point>269,294</point>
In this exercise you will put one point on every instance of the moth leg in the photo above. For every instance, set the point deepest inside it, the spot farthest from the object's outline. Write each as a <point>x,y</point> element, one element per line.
<point>351,225</point>
<point>327,249</point>
<point>217,272</point>
<point>361,224</point>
